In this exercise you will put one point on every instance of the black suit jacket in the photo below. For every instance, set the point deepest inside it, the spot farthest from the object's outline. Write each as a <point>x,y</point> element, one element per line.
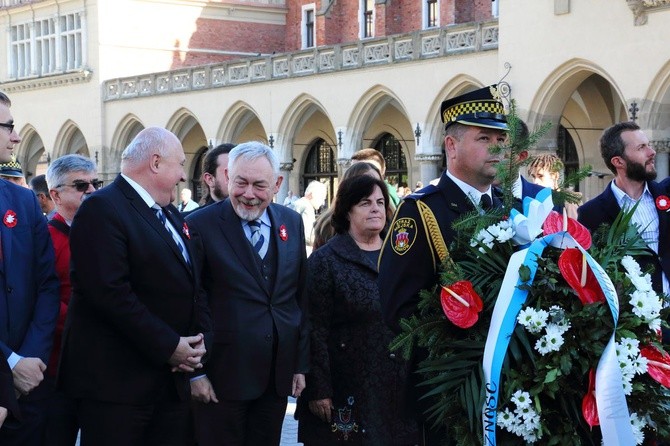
<point>604,209</point>
<point>244,310</point>
<point>133,296</point>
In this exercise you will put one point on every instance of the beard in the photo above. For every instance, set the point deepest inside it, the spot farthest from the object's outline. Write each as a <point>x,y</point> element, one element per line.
<point>638,171</point>
<point>249,214</point>
<point>218,192</point>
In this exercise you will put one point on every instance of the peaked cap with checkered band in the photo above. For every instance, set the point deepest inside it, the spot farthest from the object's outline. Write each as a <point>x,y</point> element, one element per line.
<point>480,108</point>
<point>11,168</point>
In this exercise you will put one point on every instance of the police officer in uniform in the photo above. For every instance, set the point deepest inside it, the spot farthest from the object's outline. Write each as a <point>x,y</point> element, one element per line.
<point>421,231</point>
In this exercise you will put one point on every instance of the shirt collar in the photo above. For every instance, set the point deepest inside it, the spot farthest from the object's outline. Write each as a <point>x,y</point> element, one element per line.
<point>141,191</point>
<point>621,196</point>
<point>472,193</point>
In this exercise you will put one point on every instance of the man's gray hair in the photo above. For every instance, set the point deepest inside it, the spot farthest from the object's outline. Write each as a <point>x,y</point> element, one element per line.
<point>251,151</point>
<point>149,141</point>
<point>65,165</point>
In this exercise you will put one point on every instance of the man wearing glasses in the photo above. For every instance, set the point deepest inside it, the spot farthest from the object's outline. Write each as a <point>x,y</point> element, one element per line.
<point>28,296</point>
<point>70,179</point>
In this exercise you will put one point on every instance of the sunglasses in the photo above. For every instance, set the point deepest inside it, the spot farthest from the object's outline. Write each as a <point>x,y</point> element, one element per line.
<point>7,126</point>
<point>82,186</point>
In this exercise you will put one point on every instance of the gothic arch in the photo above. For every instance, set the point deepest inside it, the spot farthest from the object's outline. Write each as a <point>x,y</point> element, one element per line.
<point>579,99</point>
<point>241,123</point>
<point>655,107</point>
<point>30,151</point>
<point>70,140</point>
<point>434,128</point>
<point>125,131</point>
<point>186,126</point>
<point>298,113</point>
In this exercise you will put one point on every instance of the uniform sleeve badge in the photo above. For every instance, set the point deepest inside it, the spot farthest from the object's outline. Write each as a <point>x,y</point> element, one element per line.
<point>403,235</point>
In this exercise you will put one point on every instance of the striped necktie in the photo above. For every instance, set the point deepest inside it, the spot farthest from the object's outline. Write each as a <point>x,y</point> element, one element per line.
<point>180,243</point>
<point>257,240</point>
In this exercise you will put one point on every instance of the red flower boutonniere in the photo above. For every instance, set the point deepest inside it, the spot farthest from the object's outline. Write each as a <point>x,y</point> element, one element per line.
<point>184,230</point>
<point>10,219</point>
<point>283,233</point>
<point>662,203</point>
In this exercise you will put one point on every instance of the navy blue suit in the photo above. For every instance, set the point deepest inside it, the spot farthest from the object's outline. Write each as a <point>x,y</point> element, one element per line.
<point>28,291</point>
<point>603,210</point>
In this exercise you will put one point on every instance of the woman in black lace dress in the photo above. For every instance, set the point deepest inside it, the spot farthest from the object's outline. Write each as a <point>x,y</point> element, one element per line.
<point>354,386</point>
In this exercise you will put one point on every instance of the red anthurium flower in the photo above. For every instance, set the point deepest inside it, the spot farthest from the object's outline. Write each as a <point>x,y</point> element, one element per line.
<point>461,303</point>
<point>658,364</point>
<point>555,222</point>
<point>579,276</point>
<point>662,203</point>
<point>589,407</point>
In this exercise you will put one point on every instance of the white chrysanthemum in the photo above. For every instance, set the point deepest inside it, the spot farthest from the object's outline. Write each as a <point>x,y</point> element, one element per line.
<point>627,386</point>
<point>655,324</point>
<point>638,425</point>
<point>505,418</point>
<point>639,365</point>
<point>505,235</point>
<point>533,320</point>
<point>542,346</point>
<point>630,346</point>
<point>641,283</point>
<point>631,266</point>
<point>553,337</point>
<point>521,399</point>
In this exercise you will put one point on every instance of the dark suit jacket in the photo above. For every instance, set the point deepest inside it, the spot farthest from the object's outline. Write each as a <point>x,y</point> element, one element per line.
<point>403,276</point>
<point>133,296</point>
<point>244,310</point>
<point>28,283</point>
<point>604,209</point>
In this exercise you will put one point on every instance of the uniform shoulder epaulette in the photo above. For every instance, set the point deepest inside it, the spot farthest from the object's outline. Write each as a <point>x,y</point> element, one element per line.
<point>422,193</point>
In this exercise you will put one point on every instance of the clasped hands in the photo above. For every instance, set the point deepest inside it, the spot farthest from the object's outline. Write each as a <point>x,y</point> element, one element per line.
<point>28,373</point>
<point>187,357</point>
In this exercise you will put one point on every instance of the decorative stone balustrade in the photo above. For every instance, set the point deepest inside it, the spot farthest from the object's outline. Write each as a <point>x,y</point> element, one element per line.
<point>401,48</point>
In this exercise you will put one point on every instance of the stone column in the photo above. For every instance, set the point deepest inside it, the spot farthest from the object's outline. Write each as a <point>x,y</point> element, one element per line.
<point>285,171</point>
<point>662,162</point>
<point>429,165</point>
<point>342,165</point>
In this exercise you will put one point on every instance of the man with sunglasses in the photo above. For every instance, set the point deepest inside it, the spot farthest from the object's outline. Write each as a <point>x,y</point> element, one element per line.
<point>28,296</point>
<point>70,179</point>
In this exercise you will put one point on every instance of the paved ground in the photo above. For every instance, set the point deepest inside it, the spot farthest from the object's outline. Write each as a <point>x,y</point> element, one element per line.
<point>289,433</point>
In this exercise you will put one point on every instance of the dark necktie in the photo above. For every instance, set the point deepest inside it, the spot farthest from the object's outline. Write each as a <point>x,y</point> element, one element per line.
<point>485,201</point>
<point>180,244</point>
<point>257,240</point>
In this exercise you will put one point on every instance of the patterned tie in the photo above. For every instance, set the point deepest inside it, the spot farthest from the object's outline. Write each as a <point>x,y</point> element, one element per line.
<point>485,201</point>
<point>161,216</point>
<point>257,240</point>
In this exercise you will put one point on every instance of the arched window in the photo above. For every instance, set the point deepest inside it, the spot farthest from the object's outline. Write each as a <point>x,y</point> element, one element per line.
<point>567,152</point>
<point>394,155</point>
<point>196,185</point>
<point>320,166</point>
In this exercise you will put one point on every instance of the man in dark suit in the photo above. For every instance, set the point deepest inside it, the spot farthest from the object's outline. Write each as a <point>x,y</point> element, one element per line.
<point>28,295</point>
<point>135,319</point>
<point>409,260</point>
<point>628,154</point>
<point>253,256</point>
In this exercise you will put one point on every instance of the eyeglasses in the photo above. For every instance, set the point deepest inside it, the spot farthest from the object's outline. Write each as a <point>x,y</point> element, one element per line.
<point>7,126</point>
<point>82,186</point>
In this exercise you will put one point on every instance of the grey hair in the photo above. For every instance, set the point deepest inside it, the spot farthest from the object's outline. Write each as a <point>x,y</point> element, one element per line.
<point>65,165</point>
<point>149,141</point>
<point>251,151</point>
<point>315,186</point>
<point>4,99</point>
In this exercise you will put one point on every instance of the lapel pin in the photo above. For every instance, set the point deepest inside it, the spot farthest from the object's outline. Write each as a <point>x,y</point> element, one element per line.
<point>662,203</point>
<point>283,233</point>
<point>10,219</point>
<point>185,231</point>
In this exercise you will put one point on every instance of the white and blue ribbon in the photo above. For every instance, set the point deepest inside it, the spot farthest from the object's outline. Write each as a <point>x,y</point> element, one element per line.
<point>611,401</point>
